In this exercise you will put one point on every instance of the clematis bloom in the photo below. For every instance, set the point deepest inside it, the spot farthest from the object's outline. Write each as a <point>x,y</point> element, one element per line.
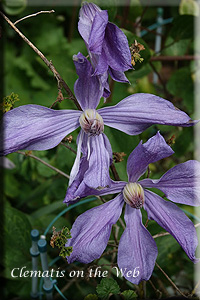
<point>137,249</point>
<point>107,45</point>
<point>35,127</point>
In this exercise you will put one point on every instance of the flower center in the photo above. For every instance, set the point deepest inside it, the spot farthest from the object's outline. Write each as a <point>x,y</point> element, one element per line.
<point>91,122</point>
<point>134,195</point>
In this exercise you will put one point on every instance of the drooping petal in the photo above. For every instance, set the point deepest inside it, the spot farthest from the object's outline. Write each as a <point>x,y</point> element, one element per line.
<point>118,76</point>
<point>97,33</point>
<point>103,77</point>
<point>35,127</point>
<point>108,147</point>
<point>104,81</point>
<point>76,165</point>
<point>137,112</point>
<point>97,175</point>
<point>153,150</point>
<point>137,250</point>
<point>78,189</point>
<point>86,17</point>
<point>91,231</point>
<point>181,184</point>
<point>102,66</point>
<point>116,48</point>
<point>172,219</point>
<point>87,88</point>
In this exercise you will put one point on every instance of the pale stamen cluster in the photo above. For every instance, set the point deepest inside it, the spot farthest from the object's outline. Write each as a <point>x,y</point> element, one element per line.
<point>91,122</point>
<point>133,194</point>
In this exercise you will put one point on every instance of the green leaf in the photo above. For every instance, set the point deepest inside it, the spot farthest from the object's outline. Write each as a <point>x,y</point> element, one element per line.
<point>167,246</point>
<point>107,287</point>
<point>176,48</point>
<point>189,7</point>
<point>45,170</point>
<point>24,63</point>
<point>16,239</point>
<point>48,209</point>
<point>129,295</point>
<point>91,297</point>
<point>181,85</point>
<point>183,27</point>
<point>11,185</point>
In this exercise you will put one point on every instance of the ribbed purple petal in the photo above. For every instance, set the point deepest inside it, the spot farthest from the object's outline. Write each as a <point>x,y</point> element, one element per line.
<point>116,48</point>
<point>87,88</point>
<point>172,219</point>
<point>144,154</point>
<point>102,66</point>
<point>35,127</point>
<point>91,231</point>
<point>76,165</point>
<point>97,33</point>
<point>79,186</point>
<point>78,189</point>
<point>137,112</point>
<point>86,17</point>
<point>97,175</point>
<point>118,76</point>
<point>137,250</point>
<point>103,76</point>
<point>181,184</point>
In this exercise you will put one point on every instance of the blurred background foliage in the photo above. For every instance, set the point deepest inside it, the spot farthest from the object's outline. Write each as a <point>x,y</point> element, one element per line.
<point>34,193</point>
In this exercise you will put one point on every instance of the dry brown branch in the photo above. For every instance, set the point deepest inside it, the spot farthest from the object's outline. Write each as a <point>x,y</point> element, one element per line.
<point>172,283</point>
<point>34,15</point>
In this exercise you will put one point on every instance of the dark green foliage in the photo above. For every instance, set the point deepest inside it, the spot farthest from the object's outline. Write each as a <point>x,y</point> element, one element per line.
<point>129,295</point>
<point>107,287</point>
<point>34,193</point>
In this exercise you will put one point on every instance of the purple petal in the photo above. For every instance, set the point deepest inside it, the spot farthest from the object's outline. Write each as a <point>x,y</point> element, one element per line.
<point>91,231</point>
<point>180,184</point>
<point>137,250</point>
<point>87,88</point>
<point>76,165</point>
<point>104,82</point>
<point>118,76</point>
<point>98,32</point>
<point>144,154</point>
<point>172,219</point>
<point>78,189</point>
<point>35,127</point>
<point>137,112</point>
<point>108,147</point>
<point>102,66</point>
<point>117,49</point>
<point>97,175</point>
<point>86,17</point>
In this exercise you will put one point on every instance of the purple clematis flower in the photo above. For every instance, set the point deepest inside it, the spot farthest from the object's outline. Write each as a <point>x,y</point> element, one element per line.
<point>137,249</point>
<point>35,127</point>
<point>107,45</point>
